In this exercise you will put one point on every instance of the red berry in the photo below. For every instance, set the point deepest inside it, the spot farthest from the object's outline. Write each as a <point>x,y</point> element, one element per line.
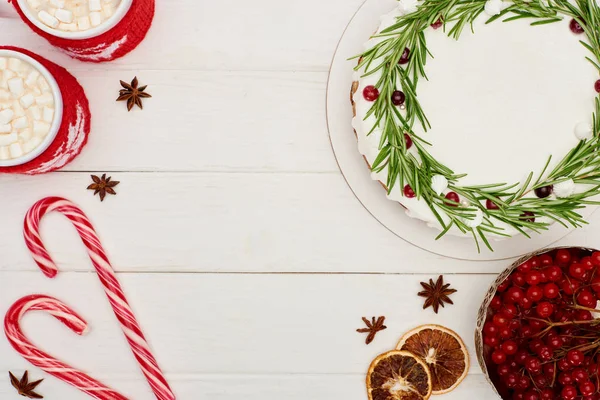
<point>544,191</point>
<point>545,353</point>
<point>536,325</point>
<point>563,256</point>
<point>505,333</point>
<point>514,324</point>
<point>580,375</point>
<point>503,286</point>
<point>500,320</point>
<point>568,392</point>
<point>526,304</point>
<point>551,290</point>
<point>597,86</point>
<point>583,315</point>
<point>531,395</point>
<point>544,309</point>
<point>569,286</point>
<point>535,293</point>
<point>438,24</point>
<point>523,383</point>
<point>489,329</point>
<point>511,380</point>
<point>553,273</point>
<point>405,56</point>
<point>491,341</point>
<point>547,394</point>
<point>370,93</point>
<point>587,299</point>
<point>540,381</point>
<point>545,260</point>
<point>503,369</point>
<point>498,357</point>
<point>509,311</point>
<point>490,205</point>
<point>515,294</point>
<point>596,258</point>
<point>587,388</point>
<point>398,98</point>
<point>565,378</point>
<point>509,347</point>
<point>549,370</point>
<point>535,262</point>
<point>527,216</point>
<point>533,365</point>
<point>408,192</point>
<point>575,357</point>
<point>564,365</point>
<point>576,271</point>
<point>408,141</point>
<point>453,199</point>
<point>521,356</point>
<point>518,279</point>
<point>525,267</point>
<point>496,303</point>
<point>535,345</point>
<point>526,331</point>
<point>587,263</point>
<point>576,27</point>
<point>534,278</point>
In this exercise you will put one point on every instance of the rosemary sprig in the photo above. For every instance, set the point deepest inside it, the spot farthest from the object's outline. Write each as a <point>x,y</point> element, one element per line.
<point>515,205</point>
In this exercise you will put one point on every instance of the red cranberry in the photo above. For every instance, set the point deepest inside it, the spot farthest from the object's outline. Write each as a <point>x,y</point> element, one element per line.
<point>531,395</point>
<point>515,294</point>
<point>583,315</point>
<point>544,191</point>
<point>527,216</point>
<point>535,345</point>
<point>523,383</point>
<point>408,192</point>
<point>596,258</point>
<point>597,86</point>
<point>576,271</point>
<point>569,286</point>
<point>547,394</point>
<point>521,356</point>
<point>587,263</point>
<point>408,141</point>
<point>509,347</point>
<point>533,365</point>
<point>505,333</point>
<point>587,388</point>
<point>509,311</point>
<point>503,369</point>
<point>544,309</point>
<point>489,329</point>
<point>398,98</point>
<point>490,205</point>
<point>575,357</point>
<point>453,199</point>
<point>568,392</point>
<point>563,256</point>
<point>587,299</point>
<point>540,381</point>
<point>545,260</point>
<point>525,267</point>
<point>496,303</point>
<point>534,277</point>
<point>535,293</point>
<point>551,290</point>
<point>553,273</point>
<point>596,284</point>
<point>500,320</point>
<point>498,357</point>
<point>518,279</point>
<point>545,353</point>
<point>503,286</point>
<point>438,24</point>
<point>564,365</point>
<point>511,380</point>
<point>526,304</point>
<point>405,56</point>
<point>565,378</point>
<point>549,370</point>
<point>491,341</point>
<point>371,93</point>
<point>580,375</point>
<point>576,27</point>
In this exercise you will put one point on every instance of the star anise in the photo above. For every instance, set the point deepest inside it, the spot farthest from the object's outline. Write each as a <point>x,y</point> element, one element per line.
<point>372,328</point>
<point>436,294</point>
<point>133,94</point>
<point>24,387</point>
<point>103,185</point>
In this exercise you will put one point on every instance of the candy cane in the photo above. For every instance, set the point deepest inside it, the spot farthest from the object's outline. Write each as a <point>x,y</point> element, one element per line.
<point>116,297</point>
<point>43,360</point>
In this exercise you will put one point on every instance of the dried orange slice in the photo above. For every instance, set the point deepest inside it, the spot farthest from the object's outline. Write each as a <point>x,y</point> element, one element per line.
<point>443,351</point>
<point>398,375</point>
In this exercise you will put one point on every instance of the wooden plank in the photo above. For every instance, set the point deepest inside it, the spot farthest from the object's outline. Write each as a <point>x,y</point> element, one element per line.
<point>254,387</point>
<point>224,35</point>
<point>209,121</point>
<point>215,222</point>
<point>200,325</point>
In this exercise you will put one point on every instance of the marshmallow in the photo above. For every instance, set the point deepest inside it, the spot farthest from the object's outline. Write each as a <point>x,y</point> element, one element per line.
<point>83,23</point>
<point>27,100</point>
<point>48,19</point>
<point>15,150</point>
<point>20,123</point>
<point>48,114</point>
<point>4,154</point>
<point>95,5</point>
<point>6,140</point>
<point>32,78</point>
<point>6,116</point>
<point>6,128</point>
<point>36,113</point>
<point>40,128</point>
<point>95,18</point>
<point>25,135</point>
<point>4,95</point>
<point>3,63</point>
<point>65,16</point>
<point>16,86</point>
<point>58,3</point>
<point>35,4</point>
<point>45,99</point>
<point>68,27</point>
<point>14,64</point>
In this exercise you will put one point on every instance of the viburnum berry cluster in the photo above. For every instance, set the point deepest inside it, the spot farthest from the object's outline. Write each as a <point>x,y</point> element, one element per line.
<point>542,336</point>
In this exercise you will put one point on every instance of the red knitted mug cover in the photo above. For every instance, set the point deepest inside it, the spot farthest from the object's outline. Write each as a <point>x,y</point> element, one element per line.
<point>113,44</point>
<point>74,129</point>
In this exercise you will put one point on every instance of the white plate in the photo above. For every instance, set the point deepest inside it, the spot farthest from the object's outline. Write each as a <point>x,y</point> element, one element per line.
<point>369,192</point>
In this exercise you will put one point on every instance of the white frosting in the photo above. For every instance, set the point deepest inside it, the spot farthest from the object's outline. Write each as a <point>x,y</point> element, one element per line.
<point>494,116</point>
<point>27,108</point>
<point>73,15</point>
<point>564,189</point>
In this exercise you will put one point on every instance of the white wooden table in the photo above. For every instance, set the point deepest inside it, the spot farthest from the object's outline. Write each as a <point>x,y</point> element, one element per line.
<point>247,258</point>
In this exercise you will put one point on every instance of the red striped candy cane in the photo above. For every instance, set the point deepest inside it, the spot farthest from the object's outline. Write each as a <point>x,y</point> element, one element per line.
<point>46,362</point>
<point>116,297</point>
